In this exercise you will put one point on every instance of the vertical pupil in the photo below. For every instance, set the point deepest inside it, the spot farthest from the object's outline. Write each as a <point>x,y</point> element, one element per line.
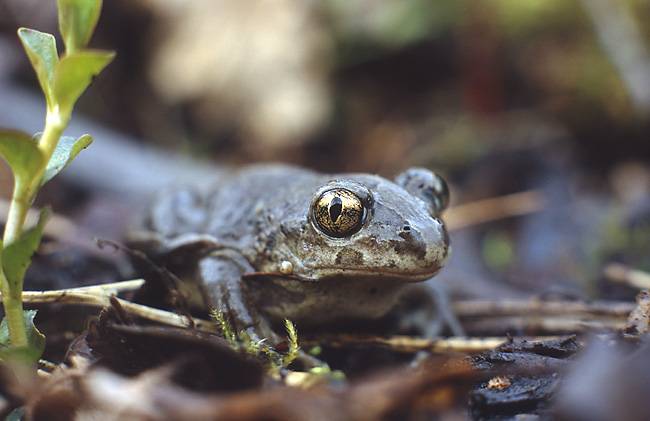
<point>335,208</point>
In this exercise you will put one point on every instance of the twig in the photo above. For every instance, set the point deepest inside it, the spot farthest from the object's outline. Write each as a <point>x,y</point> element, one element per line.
<point>409,344</point>
<point>535,307</point>
<point>95,300</point>
<point>481,211</point>
<point>617,272</point>
<point>107,289</point>
<point>541,325</point>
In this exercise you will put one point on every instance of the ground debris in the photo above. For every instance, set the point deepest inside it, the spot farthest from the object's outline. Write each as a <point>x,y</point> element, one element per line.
<point>435,387</point>
<point>499,382</point>
<point>638,323</point>
<point>529,356</point>
<point>532,371</point>
<point>152,372</point>
<point>523,395</point>
<point>201,361</point>
<point>121,370</point>
<point>555,348</point>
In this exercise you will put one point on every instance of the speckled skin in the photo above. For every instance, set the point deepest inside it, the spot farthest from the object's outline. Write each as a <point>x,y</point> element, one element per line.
<point>236,241</point>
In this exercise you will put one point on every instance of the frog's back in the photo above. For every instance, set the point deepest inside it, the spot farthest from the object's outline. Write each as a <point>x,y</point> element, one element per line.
<point>232,211</point>
<point>254,199</point>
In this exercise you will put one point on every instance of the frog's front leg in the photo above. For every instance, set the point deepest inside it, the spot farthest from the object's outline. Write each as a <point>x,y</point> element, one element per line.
<point>429,311</point>
<point>220,278</point>
<point>220,274</point>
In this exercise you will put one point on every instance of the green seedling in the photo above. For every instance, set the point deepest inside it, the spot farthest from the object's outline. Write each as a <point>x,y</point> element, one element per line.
<point>34,160</point>
<point>275,360</point>
<point>241,341</point>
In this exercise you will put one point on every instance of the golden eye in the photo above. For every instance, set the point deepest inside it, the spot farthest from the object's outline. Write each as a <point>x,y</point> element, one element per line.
<point>338,213</point>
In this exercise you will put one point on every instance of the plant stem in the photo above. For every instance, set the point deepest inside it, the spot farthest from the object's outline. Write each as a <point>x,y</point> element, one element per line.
<point>55,123</point>
<point>22,198</point>
<point>17,214</point>
<point>13,305</point>
<point>14,313</point>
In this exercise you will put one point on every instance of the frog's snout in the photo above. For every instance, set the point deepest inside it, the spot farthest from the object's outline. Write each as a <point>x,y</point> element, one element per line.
<point>427,246</point>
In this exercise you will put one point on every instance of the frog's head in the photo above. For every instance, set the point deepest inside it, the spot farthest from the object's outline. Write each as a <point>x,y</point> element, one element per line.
<point>365,226</point>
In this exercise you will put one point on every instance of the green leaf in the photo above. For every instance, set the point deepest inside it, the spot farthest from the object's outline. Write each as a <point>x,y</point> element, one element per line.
<point>21,153</point>
<point>41,50</point>
<point>77,21</point>
<point>35,341</point>
<point>74,73</point>
<point>17,256</point>
<point>66,151</point>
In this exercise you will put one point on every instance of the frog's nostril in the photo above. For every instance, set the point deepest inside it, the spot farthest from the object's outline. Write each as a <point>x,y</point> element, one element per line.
<point>406,232</point>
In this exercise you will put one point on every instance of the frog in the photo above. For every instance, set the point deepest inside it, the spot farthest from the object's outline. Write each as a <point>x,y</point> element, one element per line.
<point>271,242</point>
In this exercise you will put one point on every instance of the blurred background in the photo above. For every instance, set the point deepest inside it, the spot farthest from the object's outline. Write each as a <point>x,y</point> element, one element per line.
<point>500,96</point>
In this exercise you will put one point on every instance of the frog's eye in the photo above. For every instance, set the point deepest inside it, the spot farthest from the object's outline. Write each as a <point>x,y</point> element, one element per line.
<point>338,213</point>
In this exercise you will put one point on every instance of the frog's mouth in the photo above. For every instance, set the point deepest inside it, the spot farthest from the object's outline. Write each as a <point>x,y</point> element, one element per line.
<point>402,276</point>
<point>337,273</point>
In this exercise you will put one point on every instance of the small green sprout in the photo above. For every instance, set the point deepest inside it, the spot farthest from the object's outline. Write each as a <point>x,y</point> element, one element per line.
<point>34,160</point>
<point>292,335</point>
<point>226,329</point>
<point>241,341</point>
